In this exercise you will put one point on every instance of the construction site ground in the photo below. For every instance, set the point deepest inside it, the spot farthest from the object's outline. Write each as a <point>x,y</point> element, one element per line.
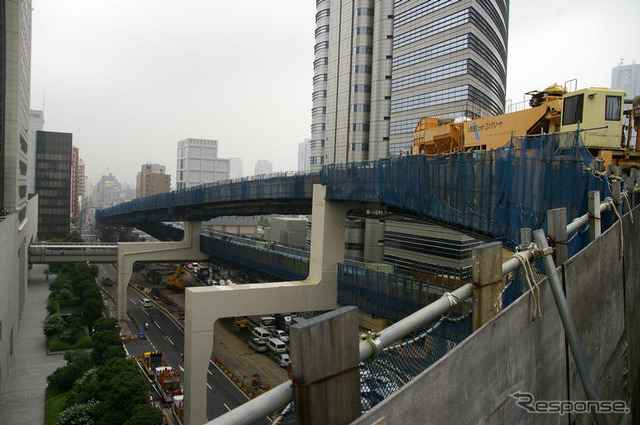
<point>229,347</point>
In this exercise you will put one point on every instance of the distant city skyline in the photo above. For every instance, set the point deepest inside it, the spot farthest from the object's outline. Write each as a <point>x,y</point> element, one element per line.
<point>195,77</point>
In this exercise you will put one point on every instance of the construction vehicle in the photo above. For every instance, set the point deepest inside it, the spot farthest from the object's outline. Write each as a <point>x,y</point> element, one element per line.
<point>157,273</point>
<point>240,323</point>
<point>168,382</point>
<point>175,282</point>
<point>150,361</point>
<point>596,112</point>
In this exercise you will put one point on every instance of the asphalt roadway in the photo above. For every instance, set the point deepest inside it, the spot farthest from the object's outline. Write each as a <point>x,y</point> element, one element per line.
<point>163,335</point>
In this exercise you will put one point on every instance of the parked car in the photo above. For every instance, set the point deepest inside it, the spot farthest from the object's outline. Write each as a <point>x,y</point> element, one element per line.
<point>107,281</point>
<point>284,360</point>
<point>281,335</point>
<point>257,345</point>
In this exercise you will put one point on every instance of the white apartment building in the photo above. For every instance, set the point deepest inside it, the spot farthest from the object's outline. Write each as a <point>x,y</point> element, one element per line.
<point>263,167</point>
<point>304,155</point>
<point>198,163</point>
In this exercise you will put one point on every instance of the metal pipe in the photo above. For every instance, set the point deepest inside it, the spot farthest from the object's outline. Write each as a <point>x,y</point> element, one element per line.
<point>569,327</point>
<point>265,404</point>
<point>576,224</point>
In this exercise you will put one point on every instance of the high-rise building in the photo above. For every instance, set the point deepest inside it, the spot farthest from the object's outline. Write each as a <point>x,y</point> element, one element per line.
<point>54,154</point>
<point>18,210</point>
<point>382,66</point>
<point>198,163</point>
<point>235,168</point>
<point>107,191</point>
<point>82,179</point>
<point>263,167</point>
<point>303,156</point>
<point>75,182</point>
<point>36,123</point>
<point>627,78</point>
<point>151,180</point>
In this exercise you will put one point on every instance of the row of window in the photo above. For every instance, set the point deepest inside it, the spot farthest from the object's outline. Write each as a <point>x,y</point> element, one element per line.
<point>362,69</point>
<point>316,160</point>
<point>404,126</point>
<point>361,88</point>
<point>319,94</point>
<point>361,107</point>
<point>320,62</point>
<point>360,127</point>
<point>432,28</point>
<point>573,108</point>
<point>319,78</point>
<point>430,75</point>
<point>498,42</point>
<point>320,110</point>
<point>434,98</point>
<point>317,127</point>
<point>314,144</point>
<point>362,50</point>
<point>322,30</point>
<point>323,45</point>
<point>50,176</point>
<point>359,147</point>
<point>420,10</point>
<point>363,31</point>
<point>400,147</point>
<point>497,19</point>
<point>322,14</point>
<point>364,11</point>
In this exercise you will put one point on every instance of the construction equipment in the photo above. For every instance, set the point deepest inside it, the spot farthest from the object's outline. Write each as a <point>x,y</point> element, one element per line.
<point>168,381</point>
<point>150,361</point>
<point>175,282</point>
<point>596,112</point>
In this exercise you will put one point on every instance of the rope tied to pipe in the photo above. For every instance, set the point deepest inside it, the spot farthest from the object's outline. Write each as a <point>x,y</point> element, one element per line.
<point>530,277</point>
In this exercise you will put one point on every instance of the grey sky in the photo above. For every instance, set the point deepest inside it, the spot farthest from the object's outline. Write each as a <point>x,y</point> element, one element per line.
<point>131,78</point>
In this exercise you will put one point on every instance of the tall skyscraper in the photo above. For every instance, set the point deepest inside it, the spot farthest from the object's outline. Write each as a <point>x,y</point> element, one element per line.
<point>151,180</point>
<point>75,182</point>
<point>18,212</point>
<point>627,78</point>
<point>54,154</point>
<point>198,163</point>
<point>382,66</point>
<point>303,156</point>
<point>235,168</point>
<point>107,191</point>
<point>263,167</point>
<point>36,123</point>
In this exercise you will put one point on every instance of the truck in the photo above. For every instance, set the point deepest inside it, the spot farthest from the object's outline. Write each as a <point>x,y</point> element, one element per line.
<point>167,380</point>
<point>150,361</point>
<point>597,113</point>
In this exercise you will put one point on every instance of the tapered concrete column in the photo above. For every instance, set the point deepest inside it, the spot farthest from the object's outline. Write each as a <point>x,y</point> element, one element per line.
<point>188,249</point>
<point>205,305</point>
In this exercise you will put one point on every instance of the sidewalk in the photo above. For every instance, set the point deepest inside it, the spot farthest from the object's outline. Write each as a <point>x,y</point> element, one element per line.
<point>23,401</point>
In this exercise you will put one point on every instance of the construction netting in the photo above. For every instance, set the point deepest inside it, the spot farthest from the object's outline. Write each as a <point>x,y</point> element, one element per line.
<point>494,192</point>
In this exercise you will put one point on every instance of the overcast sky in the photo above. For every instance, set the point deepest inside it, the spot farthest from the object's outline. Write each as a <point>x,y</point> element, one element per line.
<point>131,78</point>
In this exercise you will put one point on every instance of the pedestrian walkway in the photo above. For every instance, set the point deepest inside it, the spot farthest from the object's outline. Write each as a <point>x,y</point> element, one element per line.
<point>23,400</point>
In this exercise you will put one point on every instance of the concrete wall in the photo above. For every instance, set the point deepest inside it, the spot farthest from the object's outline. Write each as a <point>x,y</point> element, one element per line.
<point>472,384</point>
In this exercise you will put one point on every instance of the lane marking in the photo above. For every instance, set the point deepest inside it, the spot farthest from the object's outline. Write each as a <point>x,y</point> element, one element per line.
<point>209,387</point>
<point>181,368</point>
<point>225,405</point>
<point>145,312</point>
<point>171,342</point>
<point>209,372</point>
<point>132,300</point>
<point>157,325</point>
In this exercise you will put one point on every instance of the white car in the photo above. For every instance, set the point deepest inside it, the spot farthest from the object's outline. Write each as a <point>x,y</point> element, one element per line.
<point>281,335</point>
<point>284,360</point>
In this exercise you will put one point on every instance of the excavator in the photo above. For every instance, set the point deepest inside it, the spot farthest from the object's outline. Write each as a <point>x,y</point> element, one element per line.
<point>175,282</point>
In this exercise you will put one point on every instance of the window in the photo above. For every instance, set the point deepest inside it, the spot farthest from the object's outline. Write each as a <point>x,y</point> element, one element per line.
<point>317,127</point>
<point>316,160</point>
<point>363,31</point>
<point>612,108</point>
<point>320,62</point>
<point>359,147</point>
<point>320,110</point>
<point>359,127</point>
<point>364,12</point>
<point>363,50</point>
<point>361,88</point>
<point>319,78</point>
<point>316,144</point>
<point>320,46</point>
<point>322,14</point>
<point>361,108</point>
<point>362,69</point>
<point>322,30</point>
<point>320,94</point>
<point>572,109</point>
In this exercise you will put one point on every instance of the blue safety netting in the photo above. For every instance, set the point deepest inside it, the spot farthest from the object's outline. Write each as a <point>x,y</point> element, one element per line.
<point>495,192</point>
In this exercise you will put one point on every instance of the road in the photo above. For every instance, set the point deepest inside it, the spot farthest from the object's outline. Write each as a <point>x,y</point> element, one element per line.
<point>165,336</point>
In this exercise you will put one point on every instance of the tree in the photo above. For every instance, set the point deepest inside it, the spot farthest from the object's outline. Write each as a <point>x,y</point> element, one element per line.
<point>91,311</point>
<point>264,221</point>
<point>53,325</point>
<point>106,324</point>
<point>63,378</point>
<point>85,388</point>
<point>101,341</point>
<point>121,387</point>
<point>144,414</point>
<point>79,414</point>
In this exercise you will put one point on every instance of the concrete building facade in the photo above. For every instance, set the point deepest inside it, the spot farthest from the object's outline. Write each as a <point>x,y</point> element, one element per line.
<point>304,151</point>
<point>54,153</point>
<point>198,163</point>
<point>235,168</point>
<point>75,182</point>
<point>263,167</point>
<point>382,66</point>
<point>151,180</point>
<point>18,209</point>
<point>107,191</point>
<point>36,123</point>
<point>627,78</point>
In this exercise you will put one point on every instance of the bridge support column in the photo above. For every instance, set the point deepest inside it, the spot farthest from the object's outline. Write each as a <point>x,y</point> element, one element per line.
<point>129,252</point>
<point>205,305</point>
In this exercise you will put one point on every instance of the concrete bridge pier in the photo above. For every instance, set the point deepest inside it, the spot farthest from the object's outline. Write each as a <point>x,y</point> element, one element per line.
<point>205,305</point>
<point>188,249</point>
